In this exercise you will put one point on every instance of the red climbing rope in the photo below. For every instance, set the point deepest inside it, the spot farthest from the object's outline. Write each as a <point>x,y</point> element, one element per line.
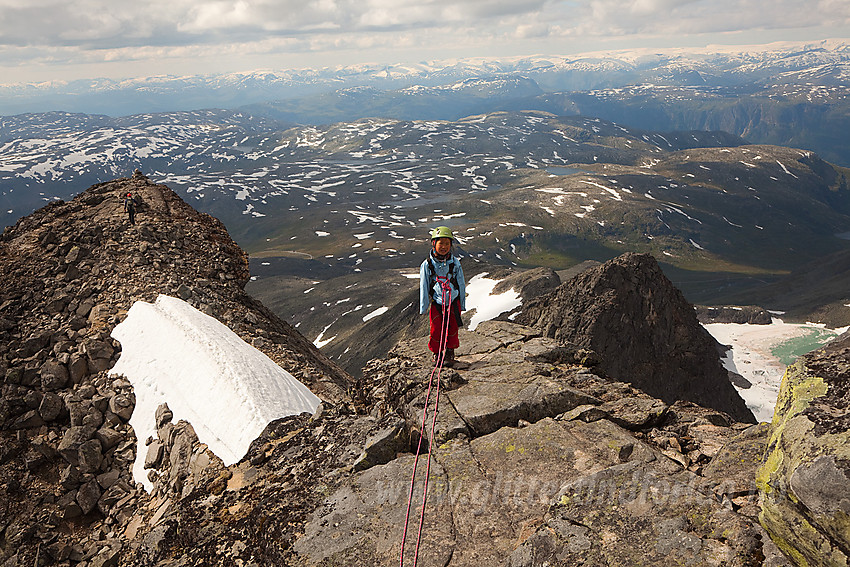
<point>446,297</point>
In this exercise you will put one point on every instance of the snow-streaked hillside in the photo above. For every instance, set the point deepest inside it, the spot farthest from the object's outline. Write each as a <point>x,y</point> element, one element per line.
<point>228,390</point>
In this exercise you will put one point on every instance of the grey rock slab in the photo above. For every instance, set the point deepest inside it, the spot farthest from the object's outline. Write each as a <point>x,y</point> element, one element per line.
<point>503,368</point>
<point>506,332</point>
<point>475,344</point>
<point>823,487</point>
<point>531,464</point>
<point>734,466</point>
<point>544,349</point>
<point>484,531</point>
<point>362,522</point>
<point>635,413</point>
<point>487,406</point>
<point>637,514</point>
<point>449,423</point>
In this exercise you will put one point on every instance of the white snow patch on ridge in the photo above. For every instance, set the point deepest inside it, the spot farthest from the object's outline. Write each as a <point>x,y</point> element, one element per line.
<point>487,306</point>
<point>227,389</point>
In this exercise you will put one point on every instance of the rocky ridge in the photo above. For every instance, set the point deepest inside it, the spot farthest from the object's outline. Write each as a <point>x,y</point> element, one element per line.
<point>538,460</point>
<point>539,457</point>
<point>71,272</point>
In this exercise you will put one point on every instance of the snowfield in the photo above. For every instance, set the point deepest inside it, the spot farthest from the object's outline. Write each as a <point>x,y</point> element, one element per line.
<point>487,306</point>
<point>227,389</point>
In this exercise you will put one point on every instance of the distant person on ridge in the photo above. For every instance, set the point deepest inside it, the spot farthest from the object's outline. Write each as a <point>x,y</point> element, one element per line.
<point>441,278</point>
<point>130,207</point>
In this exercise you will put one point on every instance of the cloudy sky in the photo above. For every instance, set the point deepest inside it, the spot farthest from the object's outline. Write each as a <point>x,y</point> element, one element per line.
<point>43,40</point>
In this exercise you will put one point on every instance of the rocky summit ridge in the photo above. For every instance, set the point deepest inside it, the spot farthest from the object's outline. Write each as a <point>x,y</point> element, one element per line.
<point>71,271</point>
<point>540,456</point>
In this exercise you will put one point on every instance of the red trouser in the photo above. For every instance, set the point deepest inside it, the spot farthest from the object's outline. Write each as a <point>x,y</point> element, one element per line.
<point>437,330</point>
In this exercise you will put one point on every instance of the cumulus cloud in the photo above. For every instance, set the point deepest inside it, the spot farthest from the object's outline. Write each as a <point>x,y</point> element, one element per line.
<point>50,22</point>
<point>709,16</point>
<point>91,29</point>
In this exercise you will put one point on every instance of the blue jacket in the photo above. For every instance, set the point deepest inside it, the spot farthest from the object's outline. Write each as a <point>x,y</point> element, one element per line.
<point>442,270</point>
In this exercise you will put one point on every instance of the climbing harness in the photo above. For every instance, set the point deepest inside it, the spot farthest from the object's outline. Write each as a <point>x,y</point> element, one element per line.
<point>452,278</point>
<point>446,297</point>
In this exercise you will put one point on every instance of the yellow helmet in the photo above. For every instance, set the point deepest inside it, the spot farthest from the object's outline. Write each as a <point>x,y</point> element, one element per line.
<point>442,232</point>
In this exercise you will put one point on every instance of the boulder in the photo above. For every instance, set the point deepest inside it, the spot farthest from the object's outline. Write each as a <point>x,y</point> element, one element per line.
<point>28,420</point>
<point>383,446</point>
<point>90,456</point>
<point>68,506</point>
<point>804,481</point>
<point>88,495</point>
<point>51,406</point>
<point>123,405</point>
<point>78,368</point>
<point>70,477</point>
<point>71,442</point>
<point>635,413</point>
<point>99,354</point>
<point>153,457</point>
<point>54,375</point>
<point>108,437</point>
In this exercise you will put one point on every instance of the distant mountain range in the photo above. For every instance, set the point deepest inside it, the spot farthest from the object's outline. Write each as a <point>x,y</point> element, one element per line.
<point>716,162</point>
<point>786,94</point>
<point>825,63</point>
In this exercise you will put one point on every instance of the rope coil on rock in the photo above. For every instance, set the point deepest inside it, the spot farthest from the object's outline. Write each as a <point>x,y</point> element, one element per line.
<point>445,296</point>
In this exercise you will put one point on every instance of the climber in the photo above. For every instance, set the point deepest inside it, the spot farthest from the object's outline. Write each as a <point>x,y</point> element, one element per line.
<point>130,207</point>
<point>441,278</point>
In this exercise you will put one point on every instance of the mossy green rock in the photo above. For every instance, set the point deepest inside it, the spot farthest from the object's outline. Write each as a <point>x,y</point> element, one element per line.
<point>804,481</point>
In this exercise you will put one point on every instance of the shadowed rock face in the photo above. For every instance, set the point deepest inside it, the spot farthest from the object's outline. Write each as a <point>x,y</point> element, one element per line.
<point>643,330</point>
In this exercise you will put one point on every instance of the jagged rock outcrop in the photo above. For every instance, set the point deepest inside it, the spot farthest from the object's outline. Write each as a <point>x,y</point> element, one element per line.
<point>642,329</point>
<point>70,273</point>
<point>805,479</point>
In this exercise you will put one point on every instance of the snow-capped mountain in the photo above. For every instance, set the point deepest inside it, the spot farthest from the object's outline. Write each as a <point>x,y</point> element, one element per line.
<point>826,63</point>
